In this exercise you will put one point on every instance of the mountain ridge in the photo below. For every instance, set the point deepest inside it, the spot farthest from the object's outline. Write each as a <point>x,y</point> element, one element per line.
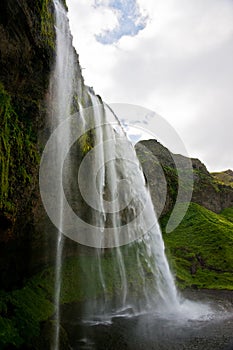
<point>160,168</point>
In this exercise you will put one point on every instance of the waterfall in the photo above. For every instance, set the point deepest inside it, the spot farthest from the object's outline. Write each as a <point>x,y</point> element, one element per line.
<point>124,232</point>
<point>124,209</point>
<point>61,91</point>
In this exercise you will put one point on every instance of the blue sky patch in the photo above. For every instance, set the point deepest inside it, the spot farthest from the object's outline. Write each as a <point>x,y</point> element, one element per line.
<point>130,20</point>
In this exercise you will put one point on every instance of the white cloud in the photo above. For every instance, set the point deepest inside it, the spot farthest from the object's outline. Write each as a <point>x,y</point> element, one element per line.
<point>180,66</point>
<point>130,20</point>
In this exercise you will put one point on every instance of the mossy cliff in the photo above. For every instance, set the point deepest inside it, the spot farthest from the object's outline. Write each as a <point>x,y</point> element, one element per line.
<point>27,41</point>
<point>27,53</point>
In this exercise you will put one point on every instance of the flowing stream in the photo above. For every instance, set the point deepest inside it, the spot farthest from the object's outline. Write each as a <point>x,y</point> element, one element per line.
<point>128,238</point>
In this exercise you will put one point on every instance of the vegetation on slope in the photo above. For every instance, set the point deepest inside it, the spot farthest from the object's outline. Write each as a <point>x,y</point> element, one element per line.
<point>224,177</point>
<point>228,214</point>
<point>200,249</point>
<point>18,153</point>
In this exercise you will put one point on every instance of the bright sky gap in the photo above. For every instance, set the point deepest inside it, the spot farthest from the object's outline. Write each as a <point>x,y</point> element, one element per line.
<point>175,60</point>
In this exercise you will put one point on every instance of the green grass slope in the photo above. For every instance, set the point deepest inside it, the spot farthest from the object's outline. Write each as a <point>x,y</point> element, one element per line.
<point>200,249</point>
<point>228,214</point>
<point>224,177</point>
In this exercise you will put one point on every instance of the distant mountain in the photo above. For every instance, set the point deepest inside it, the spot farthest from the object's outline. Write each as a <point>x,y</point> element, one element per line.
<point>224,177</point>
<point>159,166</point>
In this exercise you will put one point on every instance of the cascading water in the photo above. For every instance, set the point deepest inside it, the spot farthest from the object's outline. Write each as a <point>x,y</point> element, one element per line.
<point>120,207</point>
<point>61,101</point>
<point>120,197</point>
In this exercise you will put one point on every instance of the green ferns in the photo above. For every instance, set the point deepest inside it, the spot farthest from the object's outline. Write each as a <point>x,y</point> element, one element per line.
<point>18,153</point>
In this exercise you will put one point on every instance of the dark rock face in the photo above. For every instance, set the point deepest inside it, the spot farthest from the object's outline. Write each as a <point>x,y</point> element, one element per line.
<point>159,167</point>
<point>26,55</point>
<point>26,58</point>
<point>208,192</point>
<point>153,157</point>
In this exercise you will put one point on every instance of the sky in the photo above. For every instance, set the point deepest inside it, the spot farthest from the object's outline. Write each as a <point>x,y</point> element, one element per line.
<point>173,57</point>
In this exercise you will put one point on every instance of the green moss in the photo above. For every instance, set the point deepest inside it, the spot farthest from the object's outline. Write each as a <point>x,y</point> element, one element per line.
<point>24,310</point>
<point>9,334</point>
<point>46,21</point>
<point>228,214</point>
<point>86,141</point>
<point>18,153</point>
<point>200,249</point>
<point>81,276</point>
<point>172,181</point>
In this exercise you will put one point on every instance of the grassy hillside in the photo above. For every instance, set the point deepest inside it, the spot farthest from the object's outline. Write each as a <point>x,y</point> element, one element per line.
<point>224,177</point>
<point>228,214</point>
<point>200,249</point>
